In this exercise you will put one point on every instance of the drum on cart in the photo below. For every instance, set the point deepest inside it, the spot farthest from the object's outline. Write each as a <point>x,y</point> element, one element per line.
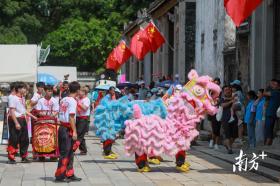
<point>45,138</point>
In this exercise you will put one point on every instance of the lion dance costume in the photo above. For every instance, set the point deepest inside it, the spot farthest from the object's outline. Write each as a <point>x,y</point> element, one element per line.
<point>152,134</point>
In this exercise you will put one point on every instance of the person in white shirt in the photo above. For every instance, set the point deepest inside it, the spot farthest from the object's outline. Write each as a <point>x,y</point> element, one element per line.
<point>48,105</point>
<point>10,99</point>
<point>17,126</point>
<point>82,121</point>
<point>37,95</point>
<point>12,93</point>
<point>67,135</point>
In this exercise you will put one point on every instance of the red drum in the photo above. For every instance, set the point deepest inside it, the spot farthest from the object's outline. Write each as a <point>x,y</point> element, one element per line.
<point>44,137</point>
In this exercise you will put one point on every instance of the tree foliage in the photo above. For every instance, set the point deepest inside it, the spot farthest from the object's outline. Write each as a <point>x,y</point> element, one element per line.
<point>80,32</point>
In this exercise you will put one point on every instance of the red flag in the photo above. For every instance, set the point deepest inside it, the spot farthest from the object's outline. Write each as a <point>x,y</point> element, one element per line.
<point>112,62</point>
<point>140,44</point>
<point>239,10</point>
<point>154,36</point>
<point>122,53</point>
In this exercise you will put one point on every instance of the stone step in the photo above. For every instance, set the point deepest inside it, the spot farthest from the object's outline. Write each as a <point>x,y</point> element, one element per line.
<point>271,163</point>
<point>272,153</point>
<point>230,158</point>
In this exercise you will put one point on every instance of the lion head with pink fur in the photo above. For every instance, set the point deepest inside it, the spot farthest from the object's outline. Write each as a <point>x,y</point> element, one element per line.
<point>202,92</point>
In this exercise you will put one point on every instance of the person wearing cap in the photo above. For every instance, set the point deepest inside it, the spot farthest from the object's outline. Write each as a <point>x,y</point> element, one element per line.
<point>238,108</point>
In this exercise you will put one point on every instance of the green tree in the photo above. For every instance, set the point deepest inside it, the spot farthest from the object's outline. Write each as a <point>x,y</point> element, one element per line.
<point>80,32</point>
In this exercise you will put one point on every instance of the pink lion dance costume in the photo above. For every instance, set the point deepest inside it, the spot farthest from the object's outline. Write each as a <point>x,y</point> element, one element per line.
<point>149,136</point>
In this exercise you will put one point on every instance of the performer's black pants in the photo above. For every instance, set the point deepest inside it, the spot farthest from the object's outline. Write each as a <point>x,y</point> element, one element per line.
<point>18,137</point>
<point>66,159</point>
<point>82,129</point>
<point>107,147</point>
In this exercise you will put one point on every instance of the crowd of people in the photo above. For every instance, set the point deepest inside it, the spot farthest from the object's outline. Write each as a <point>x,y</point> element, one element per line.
<point>251,113</point>
<point>70,107</point>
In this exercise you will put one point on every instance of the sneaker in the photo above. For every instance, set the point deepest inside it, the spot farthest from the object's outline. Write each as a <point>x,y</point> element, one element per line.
<point>187,164</point>
<point>231,119</point>
<point>154,161</point>
<point>114,154</point>
<point>74,178</point>
<point>110,157</point>
<point>211,144</point>
<point>145,169</point>
<point>216,147</point>
<point>12,162</point>
<point>25,160</point>
<point>183,168</point>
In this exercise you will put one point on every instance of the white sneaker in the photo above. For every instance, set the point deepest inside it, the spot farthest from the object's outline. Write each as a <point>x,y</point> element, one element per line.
<point>216,147</point>
<point>211,144</point>
<point>231,119</point>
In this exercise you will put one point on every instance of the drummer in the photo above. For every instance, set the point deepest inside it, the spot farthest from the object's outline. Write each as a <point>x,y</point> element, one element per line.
<point>48,105</point>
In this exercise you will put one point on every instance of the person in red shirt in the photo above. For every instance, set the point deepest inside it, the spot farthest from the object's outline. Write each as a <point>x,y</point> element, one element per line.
<point>82,121</point>
<point>67,135</point>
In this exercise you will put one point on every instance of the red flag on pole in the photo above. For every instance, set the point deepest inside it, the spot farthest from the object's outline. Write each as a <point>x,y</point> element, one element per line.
<point>239,10</point>
<point>112,62</point>
<point>154,36</point>
<point>140,44</point>
<point>122,53</point>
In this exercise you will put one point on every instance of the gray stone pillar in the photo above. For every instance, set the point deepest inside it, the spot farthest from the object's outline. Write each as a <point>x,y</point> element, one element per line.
<point>165,48</point>
<point>261,64</point>
<point>147,69</point>
<point>182,40</point>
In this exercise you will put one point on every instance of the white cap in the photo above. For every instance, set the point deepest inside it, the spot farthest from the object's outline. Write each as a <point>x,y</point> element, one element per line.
<point>179,87</point>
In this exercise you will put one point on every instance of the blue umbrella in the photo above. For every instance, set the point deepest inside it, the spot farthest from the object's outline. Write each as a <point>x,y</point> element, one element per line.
<point>47,79</point>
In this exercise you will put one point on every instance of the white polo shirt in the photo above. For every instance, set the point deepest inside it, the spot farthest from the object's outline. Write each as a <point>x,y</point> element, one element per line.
<point>18,103</point>
<point>68,105</point>
<point>48,105</point>
<point>10,99</point>
<point>35,98</point>
<point>86,102</point>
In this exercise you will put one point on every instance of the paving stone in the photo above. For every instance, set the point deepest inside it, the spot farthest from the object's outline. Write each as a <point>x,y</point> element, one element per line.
<point>205,170</point>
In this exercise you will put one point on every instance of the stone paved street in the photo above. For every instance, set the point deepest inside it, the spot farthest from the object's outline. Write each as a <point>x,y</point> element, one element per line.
<point>205,170</point>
